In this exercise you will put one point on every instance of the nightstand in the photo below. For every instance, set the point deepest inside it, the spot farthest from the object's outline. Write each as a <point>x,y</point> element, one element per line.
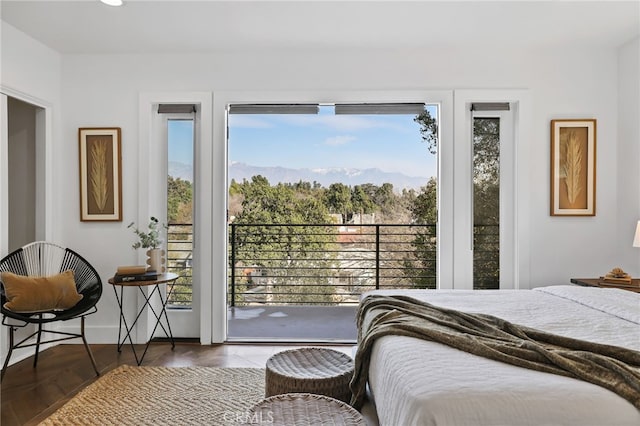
<point>597,282</point>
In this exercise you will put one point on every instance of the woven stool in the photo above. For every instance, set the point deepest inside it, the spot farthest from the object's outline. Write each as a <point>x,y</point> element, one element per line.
<point>310,370</point>
<point>304,409</point>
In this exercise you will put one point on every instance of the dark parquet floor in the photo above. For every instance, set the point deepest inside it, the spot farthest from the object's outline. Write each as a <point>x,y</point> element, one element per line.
<point>29,395</point>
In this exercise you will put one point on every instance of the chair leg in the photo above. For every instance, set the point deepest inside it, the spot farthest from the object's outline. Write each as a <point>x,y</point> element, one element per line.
<point>86,345</point>
<point>38,339</point>
<point>6,360</point>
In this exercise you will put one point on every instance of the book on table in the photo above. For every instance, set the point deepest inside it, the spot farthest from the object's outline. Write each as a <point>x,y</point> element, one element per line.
<point>616,280</point>
<point>131,270</point>
<point>134,273</point>
<point>146,276</point>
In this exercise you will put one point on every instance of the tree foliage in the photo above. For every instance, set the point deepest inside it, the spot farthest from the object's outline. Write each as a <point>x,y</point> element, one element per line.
<point>428,130</point>
<point>271,242</point>
<point>338,198</point>
<point>361,202</point>
<point>179,200</point>
<point>424,209</point>
<point>486,168</point>
<point>421,265</point>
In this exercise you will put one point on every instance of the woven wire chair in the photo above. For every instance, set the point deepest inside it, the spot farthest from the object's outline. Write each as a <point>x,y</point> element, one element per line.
<point>43,259</point>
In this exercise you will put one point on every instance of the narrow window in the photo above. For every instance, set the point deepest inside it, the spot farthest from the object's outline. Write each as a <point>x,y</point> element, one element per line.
<point>486,203</point>
<point>180,179</point>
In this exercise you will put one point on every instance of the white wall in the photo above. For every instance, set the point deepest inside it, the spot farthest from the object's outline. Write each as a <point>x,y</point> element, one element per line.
<point>29,66</point>
<point>103,90</point>
<point>628,161</point>
<point>30,71</point>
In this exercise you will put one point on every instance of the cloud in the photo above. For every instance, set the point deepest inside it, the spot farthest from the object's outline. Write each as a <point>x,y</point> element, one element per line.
<point>248,121</point>
<point>339,140</point>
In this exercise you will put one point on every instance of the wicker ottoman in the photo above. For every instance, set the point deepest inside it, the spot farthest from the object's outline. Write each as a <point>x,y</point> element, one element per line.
<point>309,370</point>
<point>298,409</point>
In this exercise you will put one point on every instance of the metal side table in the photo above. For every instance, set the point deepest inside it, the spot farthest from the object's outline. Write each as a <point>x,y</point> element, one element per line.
<point>166,278</point>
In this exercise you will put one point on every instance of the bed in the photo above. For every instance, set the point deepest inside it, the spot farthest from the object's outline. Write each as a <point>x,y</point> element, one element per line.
<point>420,382</point>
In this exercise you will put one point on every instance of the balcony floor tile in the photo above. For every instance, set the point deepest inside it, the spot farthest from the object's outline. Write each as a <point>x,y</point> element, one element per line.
<point>309,324</point>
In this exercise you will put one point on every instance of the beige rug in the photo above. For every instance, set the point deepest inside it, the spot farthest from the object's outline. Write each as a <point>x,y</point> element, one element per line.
<point>165,396</point>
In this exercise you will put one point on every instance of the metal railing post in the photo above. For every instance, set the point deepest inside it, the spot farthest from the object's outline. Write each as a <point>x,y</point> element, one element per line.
<point>377,257</point>
<point>233,265</point>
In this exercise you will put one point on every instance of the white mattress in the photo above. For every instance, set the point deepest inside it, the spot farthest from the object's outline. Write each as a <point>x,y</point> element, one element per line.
<point>417,382</point>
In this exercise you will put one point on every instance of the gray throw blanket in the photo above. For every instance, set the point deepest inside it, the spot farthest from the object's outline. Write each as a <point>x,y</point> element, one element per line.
<point>612,367</point>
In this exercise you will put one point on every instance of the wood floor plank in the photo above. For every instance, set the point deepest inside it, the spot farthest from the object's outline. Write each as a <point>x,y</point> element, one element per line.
<point>29,395</point>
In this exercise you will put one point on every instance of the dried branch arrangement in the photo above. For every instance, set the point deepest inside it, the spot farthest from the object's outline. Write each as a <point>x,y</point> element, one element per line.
<point>571,168</point>
<point>99,176</point>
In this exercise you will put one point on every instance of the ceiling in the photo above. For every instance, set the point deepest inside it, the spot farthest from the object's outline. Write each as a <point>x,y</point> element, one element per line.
<point>160,26</point>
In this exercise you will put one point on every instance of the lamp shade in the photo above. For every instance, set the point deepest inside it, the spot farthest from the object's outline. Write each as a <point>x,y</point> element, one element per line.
<point>636,238</point>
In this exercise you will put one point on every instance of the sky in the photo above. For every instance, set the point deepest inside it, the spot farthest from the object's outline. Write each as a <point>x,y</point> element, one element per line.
<point>391,143</point>
<point>180,141</point>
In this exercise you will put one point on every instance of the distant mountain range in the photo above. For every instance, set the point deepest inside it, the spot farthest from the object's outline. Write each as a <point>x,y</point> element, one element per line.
<point>325,177</point>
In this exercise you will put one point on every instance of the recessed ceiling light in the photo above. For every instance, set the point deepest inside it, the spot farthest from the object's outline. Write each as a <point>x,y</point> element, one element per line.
<point>112,2</point>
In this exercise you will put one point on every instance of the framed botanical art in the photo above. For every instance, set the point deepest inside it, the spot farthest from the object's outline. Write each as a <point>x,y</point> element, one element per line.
<point>100,174</point>
<point>573,167</point>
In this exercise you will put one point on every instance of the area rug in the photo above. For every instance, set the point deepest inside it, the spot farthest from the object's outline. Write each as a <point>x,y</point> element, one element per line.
<point>165,396</point>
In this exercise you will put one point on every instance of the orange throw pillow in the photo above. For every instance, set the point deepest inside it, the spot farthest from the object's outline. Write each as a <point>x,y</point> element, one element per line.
<point>39,294</point>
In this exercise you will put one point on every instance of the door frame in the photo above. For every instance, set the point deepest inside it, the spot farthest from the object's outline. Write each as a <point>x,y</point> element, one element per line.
<point>222,99</point>
<point>44,168</point>
<point>151,198</point>
<point>44,184</point>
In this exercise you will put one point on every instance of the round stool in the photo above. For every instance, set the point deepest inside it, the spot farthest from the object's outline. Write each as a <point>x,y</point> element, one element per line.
<point>304,409</point>
<point>310,370</point>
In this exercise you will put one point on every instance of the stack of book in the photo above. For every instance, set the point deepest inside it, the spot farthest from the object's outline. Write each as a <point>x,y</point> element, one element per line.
<point>616,276</point>
<point>134,273</point>
<point>616,280</point>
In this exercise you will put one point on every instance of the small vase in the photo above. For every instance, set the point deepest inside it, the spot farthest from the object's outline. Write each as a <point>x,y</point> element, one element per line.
<point>155,260</point>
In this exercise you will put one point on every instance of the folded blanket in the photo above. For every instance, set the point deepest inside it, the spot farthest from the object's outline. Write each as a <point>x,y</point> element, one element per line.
<point>615,368</point>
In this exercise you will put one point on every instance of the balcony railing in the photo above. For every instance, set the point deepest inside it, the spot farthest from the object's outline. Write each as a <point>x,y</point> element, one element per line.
<point>486,257</point>
<point>179,258</point>
<point>325,264</point>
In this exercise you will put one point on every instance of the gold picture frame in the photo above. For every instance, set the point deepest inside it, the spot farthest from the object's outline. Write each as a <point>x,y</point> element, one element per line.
<point>573,167</point>
<point>100,174</point>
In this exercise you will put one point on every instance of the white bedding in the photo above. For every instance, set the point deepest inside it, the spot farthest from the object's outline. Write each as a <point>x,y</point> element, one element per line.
<point>417,382</point>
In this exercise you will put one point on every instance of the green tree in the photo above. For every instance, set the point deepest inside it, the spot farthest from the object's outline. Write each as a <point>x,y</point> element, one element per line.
<point>338,198</point>
<point>486,170</point>
<point>425,206</point>
<point>235,188</point>
<point>180,241</point>
<point>424,212</point>
<point>421,266</point>
<point>273,241</point>
<point>385,198</point>
<point>179,200</point>
<point>360,201</point>
<point>428,130</point>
